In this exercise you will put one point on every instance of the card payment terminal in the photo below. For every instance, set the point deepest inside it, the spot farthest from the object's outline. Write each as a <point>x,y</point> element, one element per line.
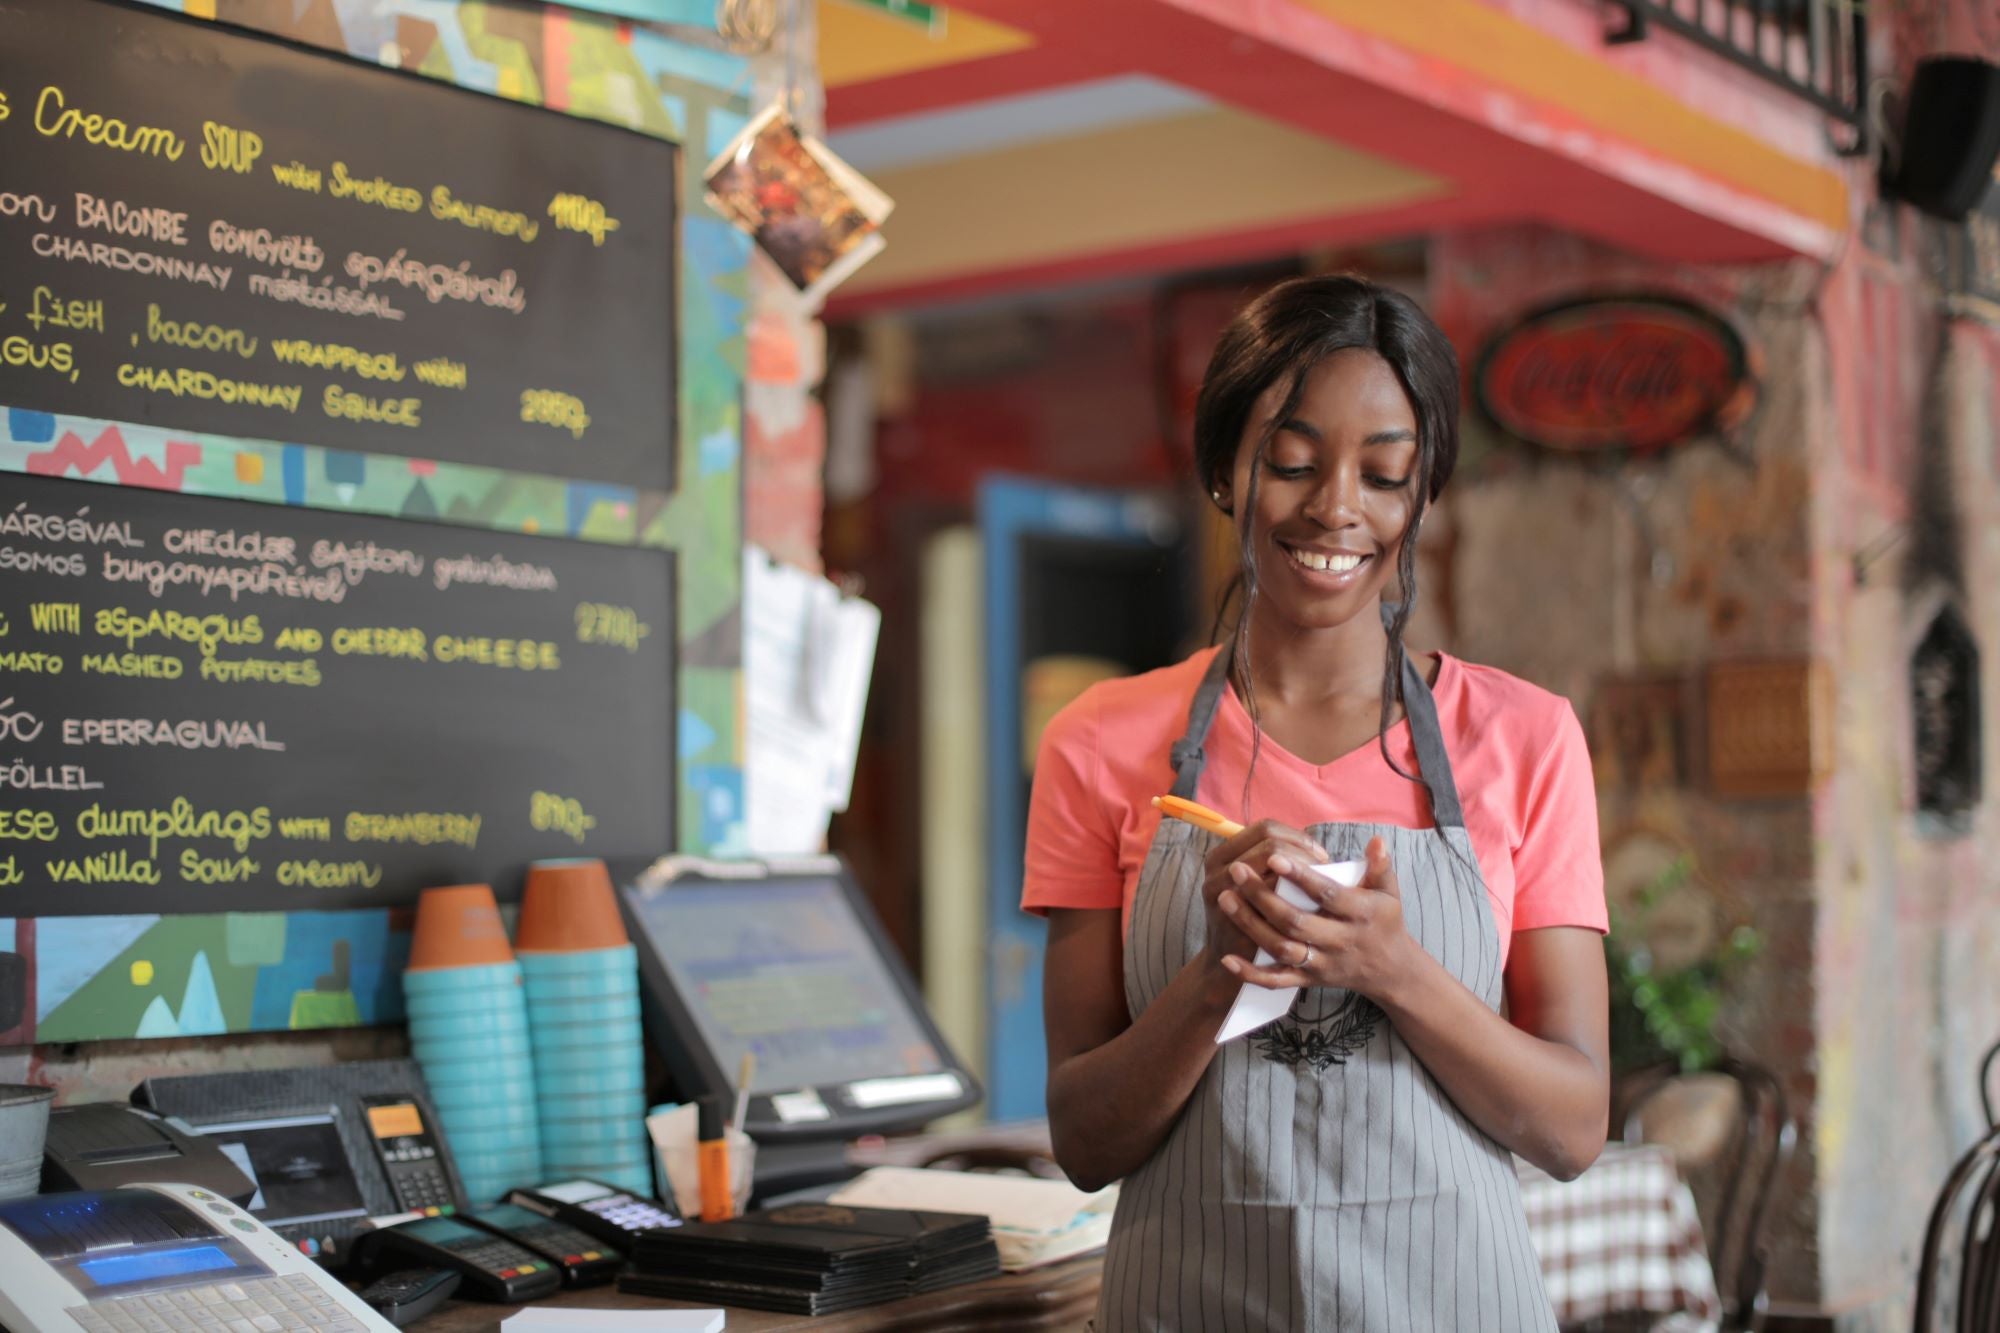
<point>583,1260</point>
<point>408,1152</point>
<point>610,1214</point>
<point>161,1258</point>
<point>493,1269</point>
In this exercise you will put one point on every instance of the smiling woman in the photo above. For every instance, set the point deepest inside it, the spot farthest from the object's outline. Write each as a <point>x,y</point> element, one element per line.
<point>1349,1166</point>
<point>1332,422</point>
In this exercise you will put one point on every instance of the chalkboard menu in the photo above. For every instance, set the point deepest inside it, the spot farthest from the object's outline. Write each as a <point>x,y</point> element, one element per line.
<point>212,705</point>
<point>218,232</point>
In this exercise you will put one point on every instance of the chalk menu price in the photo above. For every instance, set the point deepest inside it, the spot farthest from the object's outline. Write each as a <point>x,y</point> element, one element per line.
<point>209,230</point>
<point>214,705</point>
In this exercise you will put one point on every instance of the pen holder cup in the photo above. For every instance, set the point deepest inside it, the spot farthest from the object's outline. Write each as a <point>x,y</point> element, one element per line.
<point>677,1155</point>
<point>24,1126</point>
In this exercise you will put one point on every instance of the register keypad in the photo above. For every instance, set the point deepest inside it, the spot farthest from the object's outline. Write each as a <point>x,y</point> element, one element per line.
<point>632,1215</point>
<point>417,1175</point>
<point>294,1304</point>
<point>495,1256</point>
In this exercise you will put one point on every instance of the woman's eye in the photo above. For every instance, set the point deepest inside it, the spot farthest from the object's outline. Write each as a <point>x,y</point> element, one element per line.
<point>1388,483</point>
<point>1287,473</point>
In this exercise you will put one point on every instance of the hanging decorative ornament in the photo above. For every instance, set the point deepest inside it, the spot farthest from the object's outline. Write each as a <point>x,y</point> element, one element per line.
<point>816,217</point>
<point>747,26</point>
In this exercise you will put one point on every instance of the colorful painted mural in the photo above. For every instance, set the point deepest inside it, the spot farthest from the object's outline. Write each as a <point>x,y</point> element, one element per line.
<point>76,978</point>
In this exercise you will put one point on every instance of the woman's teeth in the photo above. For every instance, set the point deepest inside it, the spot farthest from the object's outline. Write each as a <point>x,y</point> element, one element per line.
<point>1325,564</point>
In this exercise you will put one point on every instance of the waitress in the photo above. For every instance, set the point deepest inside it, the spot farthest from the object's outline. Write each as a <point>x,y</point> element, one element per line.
<point>1351,1165</point>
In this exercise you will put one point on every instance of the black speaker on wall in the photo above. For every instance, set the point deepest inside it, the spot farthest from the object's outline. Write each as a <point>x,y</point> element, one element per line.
<point>1951,136</point>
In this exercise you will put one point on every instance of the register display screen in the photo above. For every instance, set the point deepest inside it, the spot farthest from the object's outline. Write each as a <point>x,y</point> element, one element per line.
<point>575,1191</point>
<point>298,1165</point>
<point>153,1265</point>
<point>122,1242</point>
<point>785,969</point>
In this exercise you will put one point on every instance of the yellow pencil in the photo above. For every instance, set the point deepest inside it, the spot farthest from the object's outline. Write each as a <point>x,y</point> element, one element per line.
<point>745,1072</point>
<point>1198,815</point>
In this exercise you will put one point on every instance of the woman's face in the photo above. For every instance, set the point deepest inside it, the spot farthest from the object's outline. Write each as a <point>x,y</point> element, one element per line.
<point>1336,493</point>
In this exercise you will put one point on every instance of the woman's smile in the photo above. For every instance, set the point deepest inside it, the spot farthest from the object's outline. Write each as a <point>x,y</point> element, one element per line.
<point>1331,570</point>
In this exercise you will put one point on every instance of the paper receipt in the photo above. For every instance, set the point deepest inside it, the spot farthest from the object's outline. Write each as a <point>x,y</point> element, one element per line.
<point>1256,1005</point>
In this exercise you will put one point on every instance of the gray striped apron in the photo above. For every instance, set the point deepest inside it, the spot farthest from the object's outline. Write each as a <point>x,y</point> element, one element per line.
<point>1318,1178</point>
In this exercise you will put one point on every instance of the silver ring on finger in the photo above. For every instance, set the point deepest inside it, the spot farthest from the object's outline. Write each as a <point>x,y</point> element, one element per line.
<point>1307,961</point>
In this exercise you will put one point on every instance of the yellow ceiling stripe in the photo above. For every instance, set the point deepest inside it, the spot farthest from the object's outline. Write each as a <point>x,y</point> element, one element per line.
<point>1206,172</point>
<point>1482,38</point>
<point>858,43</point>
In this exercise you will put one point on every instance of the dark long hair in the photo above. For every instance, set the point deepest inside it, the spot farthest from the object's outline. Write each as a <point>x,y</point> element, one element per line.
<point>1280,337</point>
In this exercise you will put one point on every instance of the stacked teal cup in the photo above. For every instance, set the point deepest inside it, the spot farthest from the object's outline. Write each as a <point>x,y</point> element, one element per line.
<point>469,1031</point>
<point>581,977</point>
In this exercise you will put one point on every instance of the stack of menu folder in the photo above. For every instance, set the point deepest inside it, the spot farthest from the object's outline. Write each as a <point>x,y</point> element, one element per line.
<point>813,1259</point>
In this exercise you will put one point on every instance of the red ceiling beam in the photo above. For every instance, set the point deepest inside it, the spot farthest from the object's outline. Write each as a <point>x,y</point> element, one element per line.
<point>944,87</point>
<point>1417,113</point>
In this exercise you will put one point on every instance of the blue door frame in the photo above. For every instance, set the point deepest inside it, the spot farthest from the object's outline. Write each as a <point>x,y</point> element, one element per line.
<point>1011,509</point>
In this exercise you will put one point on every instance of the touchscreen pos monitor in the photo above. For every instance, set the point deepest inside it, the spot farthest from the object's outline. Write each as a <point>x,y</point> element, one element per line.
<point>789,963</point>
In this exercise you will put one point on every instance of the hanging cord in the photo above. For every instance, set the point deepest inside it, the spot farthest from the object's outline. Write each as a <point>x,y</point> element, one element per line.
<point>792,59</point>
<point>1878,94</point>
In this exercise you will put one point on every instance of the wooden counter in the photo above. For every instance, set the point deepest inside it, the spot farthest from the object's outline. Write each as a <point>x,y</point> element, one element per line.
<point>1061,1296</point>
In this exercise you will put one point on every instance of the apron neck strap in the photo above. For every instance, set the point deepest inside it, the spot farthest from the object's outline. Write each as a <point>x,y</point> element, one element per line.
<point>1433,762</point>
<point>1187,754</point>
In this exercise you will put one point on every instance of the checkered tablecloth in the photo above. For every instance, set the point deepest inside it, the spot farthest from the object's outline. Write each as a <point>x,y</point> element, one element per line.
<point>1622,1238</point>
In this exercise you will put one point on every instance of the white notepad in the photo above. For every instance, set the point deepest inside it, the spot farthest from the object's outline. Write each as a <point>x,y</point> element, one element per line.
<point>556,1319</point>
<point>1255,1005</point>
<point>1035,1221</point>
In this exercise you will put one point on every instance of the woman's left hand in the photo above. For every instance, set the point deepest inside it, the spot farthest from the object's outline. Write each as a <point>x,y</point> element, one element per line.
<point>1357,940</point>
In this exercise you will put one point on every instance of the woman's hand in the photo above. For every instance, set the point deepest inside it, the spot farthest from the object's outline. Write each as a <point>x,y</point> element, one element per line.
<point>1357,939</point>
<point>1243,860</point>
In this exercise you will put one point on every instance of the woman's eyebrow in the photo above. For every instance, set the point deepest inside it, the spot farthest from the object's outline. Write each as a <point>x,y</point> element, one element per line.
<point>1397,435</point>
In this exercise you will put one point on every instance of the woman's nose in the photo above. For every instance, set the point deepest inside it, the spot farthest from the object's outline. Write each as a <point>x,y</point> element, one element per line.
<point>1336,503</point>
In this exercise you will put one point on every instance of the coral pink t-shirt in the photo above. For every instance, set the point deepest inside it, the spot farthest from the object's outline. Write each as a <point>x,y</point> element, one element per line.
<point>1518,754</point>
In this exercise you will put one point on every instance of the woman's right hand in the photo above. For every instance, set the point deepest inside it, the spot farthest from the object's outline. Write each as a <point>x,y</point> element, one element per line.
<point>1241,860</point>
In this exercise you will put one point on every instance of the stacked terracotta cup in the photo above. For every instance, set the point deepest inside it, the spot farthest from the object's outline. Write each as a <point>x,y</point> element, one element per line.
<point>469,1031</point>
<point>582,980</point>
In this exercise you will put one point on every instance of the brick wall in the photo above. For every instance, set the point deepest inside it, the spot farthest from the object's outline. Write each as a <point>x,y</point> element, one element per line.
<point>1581,574</point>
<point>1870,998</point>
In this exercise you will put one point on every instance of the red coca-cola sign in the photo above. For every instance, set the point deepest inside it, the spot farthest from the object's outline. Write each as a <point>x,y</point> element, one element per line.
<point>1633,373</point>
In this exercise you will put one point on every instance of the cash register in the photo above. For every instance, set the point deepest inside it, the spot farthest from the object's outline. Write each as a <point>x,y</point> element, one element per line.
<point>160,1259</point>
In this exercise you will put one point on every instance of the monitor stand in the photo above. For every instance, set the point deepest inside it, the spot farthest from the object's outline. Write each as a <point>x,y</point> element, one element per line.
<point>784,1167</point>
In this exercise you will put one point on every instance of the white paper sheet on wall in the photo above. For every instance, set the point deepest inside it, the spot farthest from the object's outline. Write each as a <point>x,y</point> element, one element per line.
<point>808,653</point>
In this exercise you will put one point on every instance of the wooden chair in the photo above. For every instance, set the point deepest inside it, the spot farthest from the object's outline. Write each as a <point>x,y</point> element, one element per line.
<point>1969,1204</point>
<point>1747,1159</point>
<point>1986,1085</point>
<point>1969,1201</point>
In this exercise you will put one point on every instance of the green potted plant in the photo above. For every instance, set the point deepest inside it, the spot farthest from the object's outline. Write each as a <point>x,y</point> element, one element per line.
<point>1670,955</point>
